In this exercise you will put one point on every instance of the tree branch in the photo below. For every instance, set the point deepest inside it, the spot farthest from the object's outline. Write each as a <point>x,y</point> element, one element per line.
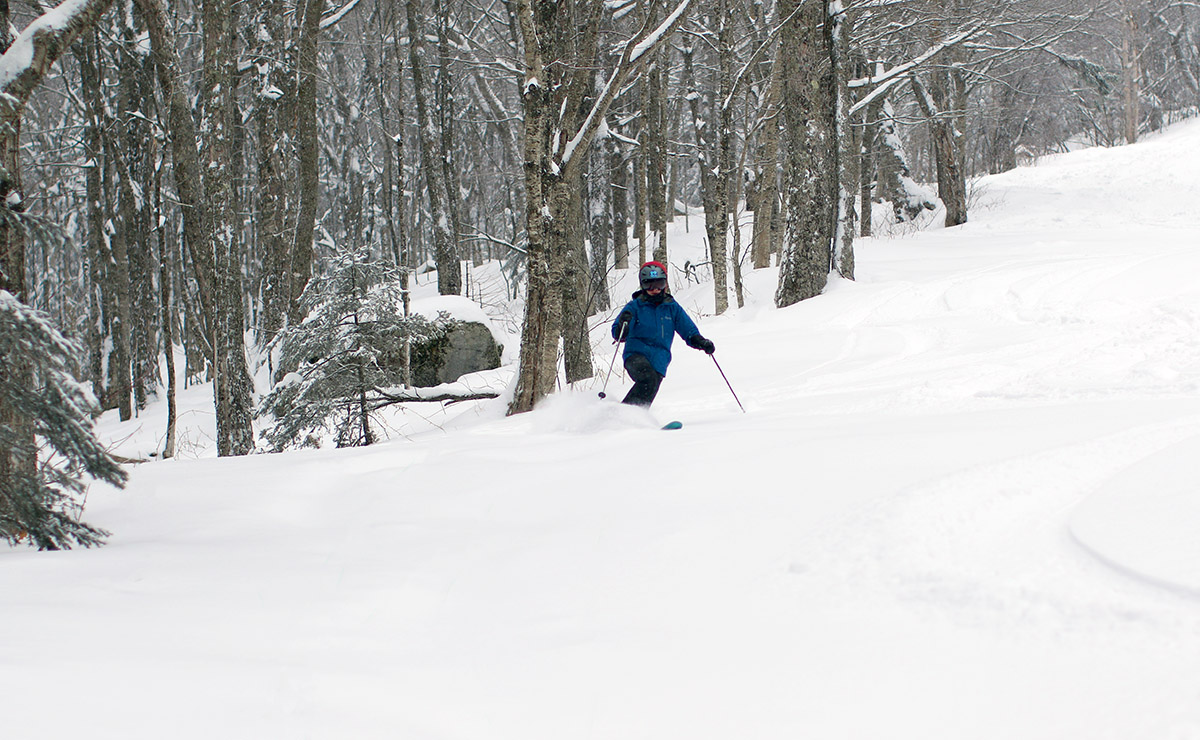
<point>632,57</point>
<point>25,63</point>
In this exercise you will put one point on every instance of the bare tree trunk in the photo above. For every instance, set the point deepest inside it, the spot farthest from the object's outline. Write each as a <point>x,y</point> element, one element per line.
<point>136,223</point>
<point>400,238</point>
<point>1131,73</point>
<point>393,181</point>
<point>808,130</point>
<point>952,181</point>
<point>719,235</point>
<point>232,387</point>
<point>538,364</point>
<point>736,243</point>
<point>640,194</point>
<point>577,303</point>
<point>308,180</point>
<point>273,153</point>
<point>120,387</point>
<point>619,167</point>
<point>656,156</point>
<point>598,216</point>
<point>166,273</point>
<point>868,167</point>
<point>766,197</point>
<point>894,177</point>
<point>445,249</point>
<point>97,248</point>
<point>837,36</point>
<point>653,87</point>
<point>444,95</point>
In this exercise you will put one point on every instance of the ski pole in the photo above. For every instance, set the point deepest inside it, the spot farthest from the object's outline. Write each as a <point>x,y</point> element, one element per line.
<point>739,403</point>
<point>612,362</point>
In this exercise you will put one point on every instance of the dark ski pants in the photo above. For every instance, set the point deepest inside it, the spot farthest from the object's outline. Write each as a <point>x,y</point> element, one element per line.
<point>645,381</point>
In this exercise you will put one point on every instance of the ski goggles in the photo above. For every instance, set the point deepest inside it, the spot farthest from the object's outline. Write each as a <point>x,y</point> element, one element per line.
<point>659,284</point>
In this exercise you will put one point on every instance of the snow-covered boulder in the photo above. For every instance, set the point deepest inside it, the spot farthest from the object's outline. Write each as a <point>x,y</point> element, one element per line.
<point>467,348</point>
<point>471,345</point>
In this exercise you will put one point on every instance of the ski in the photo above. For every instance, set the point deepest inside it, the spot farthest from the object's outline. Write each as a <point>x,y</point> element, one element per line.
<point>673,425</point>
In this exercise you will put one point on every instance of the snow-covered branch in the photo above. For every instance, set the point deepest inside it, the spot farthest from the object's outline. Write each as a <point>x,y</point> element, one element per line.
<point>883,81</point>
<point>339,14</point>
<point>634,54</point>
<point>35,49</point>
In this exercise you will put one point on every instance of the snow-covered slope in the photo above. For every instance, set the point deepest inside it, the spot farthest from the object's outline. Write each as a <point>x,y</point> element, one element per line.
<point>961,504</point>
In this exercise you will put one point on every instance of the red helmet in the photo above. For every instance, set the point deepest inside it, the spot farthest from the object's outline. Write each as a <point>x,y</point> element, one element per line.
<point>651,272</point>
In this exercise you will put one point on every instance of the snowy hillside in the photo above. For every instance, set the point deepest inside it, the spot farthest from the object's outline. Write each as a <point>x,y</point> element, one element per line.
<point>962,504</point>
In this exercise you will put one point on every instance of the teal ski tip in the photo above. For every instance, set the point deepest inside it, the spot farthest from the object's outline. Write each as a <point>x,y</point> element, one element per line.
<point>673,425</point>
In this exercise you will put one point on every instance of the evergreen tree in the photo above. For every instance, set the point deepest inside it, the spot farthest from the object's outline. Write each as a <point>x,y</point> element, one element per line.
<point>348,352</point>
<point>42,477</point>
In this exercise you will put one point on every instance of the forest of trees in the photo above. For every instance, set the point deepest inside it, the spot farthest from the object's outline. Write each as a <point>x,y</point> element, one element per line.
<point>174,177</point>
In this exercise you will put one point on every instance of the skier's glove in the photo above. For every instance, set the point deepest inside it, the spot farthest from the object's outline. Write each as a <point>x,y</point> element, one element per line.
<point>623,322</point>
<point>700,343</point>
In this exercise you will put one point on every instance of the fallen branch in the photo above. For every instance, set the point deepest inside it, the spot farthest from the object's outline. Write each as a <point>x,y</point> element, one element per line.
<point>390,399</point>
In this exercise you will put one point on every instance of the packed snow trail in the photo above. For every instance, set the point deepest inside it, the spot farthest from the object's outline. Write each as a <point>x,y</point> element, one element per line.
<point>960,505</point>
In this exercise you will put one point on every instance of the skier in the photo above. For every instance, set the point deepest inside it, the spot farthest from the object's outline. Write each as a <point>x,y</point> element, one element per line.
<point>648,324</point>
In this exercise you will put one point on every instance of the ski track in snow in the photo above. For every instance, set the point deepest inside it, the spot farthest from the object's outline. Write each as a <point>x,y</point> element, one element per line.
<point>991,542</point>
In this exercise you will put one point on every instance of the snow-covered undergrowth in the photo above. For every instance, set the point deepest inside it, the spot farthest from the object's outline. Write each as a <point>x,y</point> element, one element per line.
<point>962,504</point>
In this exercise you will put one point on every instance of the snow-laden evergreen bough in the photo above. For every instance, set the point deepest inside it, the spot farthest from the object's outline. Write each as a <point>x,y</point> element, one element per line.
<point>350,349</point>
<point>43,475</point>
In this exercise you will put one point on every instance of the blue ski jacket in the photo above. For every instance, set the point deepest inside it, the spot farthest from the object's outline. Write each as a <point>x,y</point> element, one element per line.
<point>653,328</point>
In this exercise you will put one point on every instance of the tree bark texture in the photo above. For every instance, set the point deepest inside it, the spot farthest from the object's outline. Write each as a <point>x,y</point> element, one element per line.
<point>444,95</point>
<point>136,174</point>
<point>577,294</point>
<point>1130,72</point>
<point>537,367</point>
<point>275,150</point>
<point>658,209</point>
<point>867,168</point>
<point>166,275</point>
<point>618,165</point>
<point>939,104</point>
<point>231,387</point>
<point>598,216</point>
<point>308,180</point>
<point>445,246</point>
<point>766,193</point>
<point>808,142</point>
<point>837,41</point>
